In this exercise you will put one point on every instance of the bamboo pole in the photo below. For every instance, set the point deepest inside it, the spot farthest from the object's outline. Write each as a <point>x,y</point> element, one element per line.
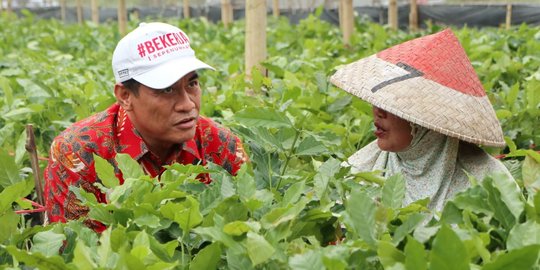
<point>255,46</point>
<point>275,8</point>
<point>63,10</point>
<point>348,21</point>
<point>9,7</point>
<point>226,12</point>
<point>31,148</point>
<point>186,9</point>
<point>413,16</point>
<point>79,12</point>
<point>340,14</point>
<point>122,17</point>
<point>95,11</point>
<point>508,16</point>
<point>393,14</point>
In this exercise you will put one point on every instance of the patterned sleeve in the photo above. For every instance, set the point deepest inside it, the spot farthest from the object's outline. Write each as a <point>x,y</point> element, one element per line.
<point>66,168</point>
<point>238,156</point>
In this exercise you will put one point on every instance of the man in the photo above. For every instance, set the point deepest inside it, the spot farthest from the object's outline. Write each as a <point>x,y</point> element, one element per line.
<point>155,120</point>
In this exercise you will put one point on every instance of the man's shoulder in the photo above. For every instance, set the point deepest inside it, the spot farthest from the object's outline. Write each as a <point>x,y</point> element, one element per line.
<point>211,127</point>
<point>92,134</point>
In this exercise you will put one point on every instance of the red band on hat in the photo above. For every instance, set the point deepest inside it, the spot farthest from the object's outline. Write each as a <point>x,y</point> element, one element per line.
<point>447,65</point>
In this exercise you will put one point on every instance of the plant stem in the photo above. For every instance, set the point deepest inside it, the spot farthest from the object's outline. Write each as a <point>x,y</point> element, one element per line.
<point>289,155</point>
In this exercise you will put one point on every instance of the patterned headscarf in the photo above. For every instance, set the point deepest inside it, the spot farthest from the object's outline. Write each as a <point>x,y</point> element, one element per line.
<point>433,165</point>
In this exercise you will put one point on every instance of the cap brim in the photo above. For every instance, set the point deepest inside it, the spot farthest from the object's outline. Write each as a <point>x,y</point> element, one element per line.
<point>168,73</point>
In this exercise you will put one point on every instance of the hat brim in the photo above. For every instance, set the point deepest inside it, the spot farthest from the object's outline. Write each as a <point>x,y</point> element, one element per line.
<point>421,101</point>
<point>169,73</point>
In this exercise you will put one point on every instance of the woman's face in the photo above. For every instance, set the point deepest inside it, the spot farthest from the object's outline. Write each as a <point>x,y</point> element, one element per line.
<point>393,133</point>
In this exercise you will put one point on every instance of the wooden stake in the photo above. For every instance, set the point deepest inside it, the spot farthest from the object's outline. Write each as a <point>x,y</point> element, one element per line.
<point>186,9</point>
<point>508,16</point>
<point>340,14</point>
<point>31,148</point>
<point>226,12</point>
<point>9,7</point>
<point>275,8</point>
<point>413,16</point>
<point>122,17</point>
<point>393,14</point>
<point>255,46</point>
<point>348,21</point>
<point>63,10</point>
<point>95,11</point>
<point>79,12</point>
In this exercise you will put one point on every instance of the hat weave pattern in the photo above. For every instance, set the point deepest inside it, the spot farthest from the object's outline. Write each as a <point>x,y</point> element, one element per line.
<point>428,81</point>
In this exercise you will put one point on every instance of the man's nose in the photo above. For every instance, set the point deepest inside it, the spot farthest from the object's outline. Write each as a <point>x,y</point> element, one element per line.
<point>183,101</point>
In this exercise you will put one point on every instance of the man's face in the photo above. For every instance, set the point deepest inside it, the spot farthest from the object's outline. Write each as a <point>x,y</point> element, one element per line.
<point>165,117</point>
<point>393,133</point>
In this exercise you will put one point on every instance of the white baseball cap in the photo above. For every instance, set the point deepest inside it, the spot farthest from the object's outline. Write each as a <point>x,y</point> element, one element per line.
<point>156,55</point>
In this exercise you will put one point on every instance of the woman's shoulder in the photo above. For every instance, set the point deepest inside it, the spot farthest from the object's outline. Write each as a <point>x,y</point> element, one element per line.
<point>478,162</point>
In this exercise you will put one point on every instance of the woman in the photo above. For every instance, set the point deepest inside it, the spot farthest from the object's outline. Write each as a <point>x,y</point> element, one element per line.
<point>429,111</point>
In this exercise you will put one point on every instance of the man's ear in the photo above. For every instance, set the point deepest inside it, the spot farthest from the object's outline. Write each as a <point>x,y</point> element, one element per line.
<point>123,96</point>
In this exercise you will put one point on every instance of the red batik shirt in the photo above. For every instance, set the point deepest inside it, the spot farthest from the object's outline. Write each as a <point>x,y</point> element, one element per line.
<point>71,159</point>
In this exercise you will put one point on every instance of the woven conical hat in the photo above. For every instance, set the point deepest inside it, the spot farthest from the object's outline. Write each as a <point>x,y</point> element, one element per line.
<point>428,81</point>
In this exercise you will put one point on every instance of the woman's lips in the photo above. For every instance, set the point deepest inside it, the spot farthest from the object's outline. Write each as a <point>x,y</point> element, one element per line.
<point>379,131</point>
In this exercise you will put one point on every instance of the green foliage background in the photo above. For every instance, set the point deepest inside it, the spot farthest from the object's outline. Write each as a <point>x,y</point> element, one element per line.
<point>283,209</point>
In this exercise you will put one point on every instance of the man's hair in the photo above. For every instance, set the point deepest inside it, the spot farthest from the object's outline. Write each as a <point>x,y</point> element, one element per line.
<point>133,86</point>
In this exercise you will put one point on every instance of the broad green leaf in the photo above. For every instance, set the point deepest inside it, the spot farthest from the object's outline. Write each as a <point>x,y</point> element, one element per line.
<point>293,193</point>
<point>227,187</point>
<point>510,193</point>
<point>517,259</point>
<point>105,172</point>
<point>237,261</point>
<point>7,90</point>
<point>18,114</point>
<point>448,252</point>
<point>389,255</point>
<point>20,150</point>
<point>533,95</point>
<point>497,205</point>
<point>530,171</point>
<point>361,213</point>
<point>262,117</point>
<point>236,228</point>
<point>48,243</point>
<point>393,191</point>
<point>83,257</point>
<point>310,260</point>
<point>408,226</point>
<point>473,199</point>
<point>129,167</point>
<point>106,257</point>
<point>245,184</point>
<point>309,146</point>
<point>415,255</point>
<point>8,225</point>
<point>280,215</point>
<point>14,192</point>
<point>325,172</point>
<point>189,215</point>
<point>9,172</point>
<point>38,260</point>
<point>524,234</point>
<point>259,250</point>
<point>207,258</point>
